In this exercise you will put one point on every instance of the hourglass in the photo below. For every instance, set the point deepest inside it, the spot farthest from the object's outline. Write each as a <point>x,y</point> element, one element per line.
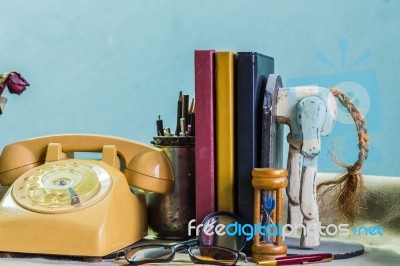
<point>268,184</point>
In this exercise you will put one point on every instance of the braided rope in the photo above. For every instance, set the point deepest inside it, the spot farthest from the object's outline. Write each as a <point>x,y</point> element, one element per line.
<point>350,186</point>
<point>361,126</point>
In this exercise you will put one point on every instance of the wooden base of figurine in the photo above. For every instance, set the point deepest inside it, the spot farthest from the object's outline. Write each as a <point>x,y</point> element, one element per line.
<point>339,248</point>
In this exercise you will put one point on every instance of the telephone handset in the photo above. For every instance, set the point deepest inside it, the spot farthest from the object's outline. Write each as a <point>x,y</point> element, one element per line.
<point>60,205</point>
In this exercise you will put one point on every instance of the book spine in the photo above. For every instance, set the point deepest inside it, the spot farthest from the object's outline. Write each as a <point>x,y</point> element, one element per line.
<point>225,130</point>
<point>252,73</point>
<point>205,133</point>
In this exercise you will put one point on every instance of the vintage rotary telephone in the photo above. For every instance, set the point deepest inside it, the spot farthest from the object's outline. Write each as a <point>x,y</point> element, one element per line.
<point>80,207</point>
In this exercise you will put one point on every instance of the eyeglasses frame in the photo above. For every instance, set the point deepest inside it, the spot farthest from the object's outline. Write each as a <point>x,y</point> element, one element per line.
<point>188,246</point>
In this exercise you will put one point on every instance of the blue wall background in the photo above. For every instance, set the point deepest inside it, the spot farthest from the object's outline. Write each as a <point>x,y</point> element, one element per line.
<point>110,67</point>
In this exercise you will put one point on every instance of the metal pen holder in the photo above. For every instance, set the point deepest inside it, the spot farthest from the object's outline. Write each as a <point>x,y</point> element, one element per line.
<point>170,214</point>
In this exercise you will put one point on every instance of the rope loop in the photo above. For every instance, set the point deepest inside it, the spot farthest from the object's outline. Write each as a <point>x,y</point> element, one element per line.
<point>349,186</point>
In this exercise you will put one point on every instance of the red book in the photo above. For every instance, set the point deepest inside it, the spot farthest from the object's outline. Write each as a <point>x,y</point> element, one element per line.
<point>204,132</point>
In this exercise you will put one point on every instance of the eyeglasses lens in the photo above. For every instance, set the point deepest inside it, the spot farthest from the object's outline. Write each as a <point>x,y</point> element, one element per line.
<point>149,253</point>
<point>214,255</point>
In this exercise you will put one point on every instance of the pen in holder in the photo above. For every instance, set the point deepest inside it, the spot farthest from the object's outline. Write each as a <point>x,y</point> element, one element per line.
<point>170,214</point>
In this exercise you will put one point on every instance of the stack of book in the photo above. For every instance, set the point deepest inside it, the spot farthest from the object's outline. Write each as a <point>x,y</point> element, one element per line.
<point>229,93</point>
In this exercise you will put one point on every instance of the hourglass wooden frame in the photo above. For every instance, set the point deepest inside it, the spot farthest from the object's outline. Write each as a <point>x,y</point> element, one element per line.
<point>268,179</point>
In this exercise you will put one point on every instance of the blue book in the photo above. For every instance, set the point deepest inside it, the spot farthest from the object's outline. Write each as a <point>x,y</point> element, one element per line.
<point>252,74</point>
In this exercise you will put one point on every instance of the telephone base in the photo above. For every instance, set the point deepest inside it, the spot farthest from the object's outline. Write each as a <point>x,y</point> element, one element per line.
<point>14,255</point>
<point>112,222</point>
<point>8,255</point>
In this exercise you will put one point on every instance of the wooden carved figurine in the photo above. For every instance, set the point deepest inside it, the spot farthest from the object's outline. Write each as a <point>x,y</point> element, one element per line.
<point>310,113</point>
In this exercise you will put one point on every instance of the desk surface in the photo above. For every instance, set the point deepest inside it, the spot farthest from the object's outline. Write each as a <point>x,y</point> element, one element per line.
<point>372,256</point>
<point>382,197</point>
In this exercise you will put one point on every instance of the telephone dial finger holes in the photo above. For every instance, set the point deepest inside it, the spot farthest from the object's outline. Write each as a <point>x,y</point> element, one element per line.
<point>63,197</point>
<point>47,189</point>
<point>39,193</point>
<point>32,188</point>
<point>31,179</point>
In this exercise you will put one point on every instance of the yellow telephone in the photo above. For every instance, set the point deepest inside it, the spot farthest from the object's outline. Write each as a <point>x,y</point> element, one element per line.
<point>77,207</point>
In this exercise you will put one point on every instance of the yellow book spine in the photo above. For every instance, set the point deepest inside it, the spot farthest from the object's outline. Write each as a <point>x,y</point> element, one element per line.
<point>225,130</point>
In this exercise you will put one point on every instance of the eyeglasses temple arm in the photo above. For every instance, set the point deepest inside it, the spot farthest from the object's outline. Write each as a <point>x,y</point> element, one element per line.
<point>242,256</point>
<point>188,243</point>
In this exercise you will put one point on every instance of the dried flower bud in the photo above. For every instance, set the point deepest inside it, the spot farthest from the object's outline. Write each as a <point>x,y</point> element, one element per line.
<point>16,83</point>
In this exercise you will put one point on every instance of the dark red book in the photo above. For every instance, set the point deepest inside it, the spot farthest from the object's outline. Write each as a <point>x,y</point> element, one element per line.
<point>204,132</point>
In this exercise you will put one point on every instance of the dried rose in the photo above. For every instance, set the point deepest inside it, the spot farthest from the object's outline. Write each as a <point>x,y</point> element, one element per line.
<point>15,82</point>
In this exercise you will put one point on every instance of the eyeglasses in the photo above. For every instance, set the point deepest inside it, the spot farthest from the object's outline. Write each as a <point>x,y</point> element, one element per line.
<point>156,253</point>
